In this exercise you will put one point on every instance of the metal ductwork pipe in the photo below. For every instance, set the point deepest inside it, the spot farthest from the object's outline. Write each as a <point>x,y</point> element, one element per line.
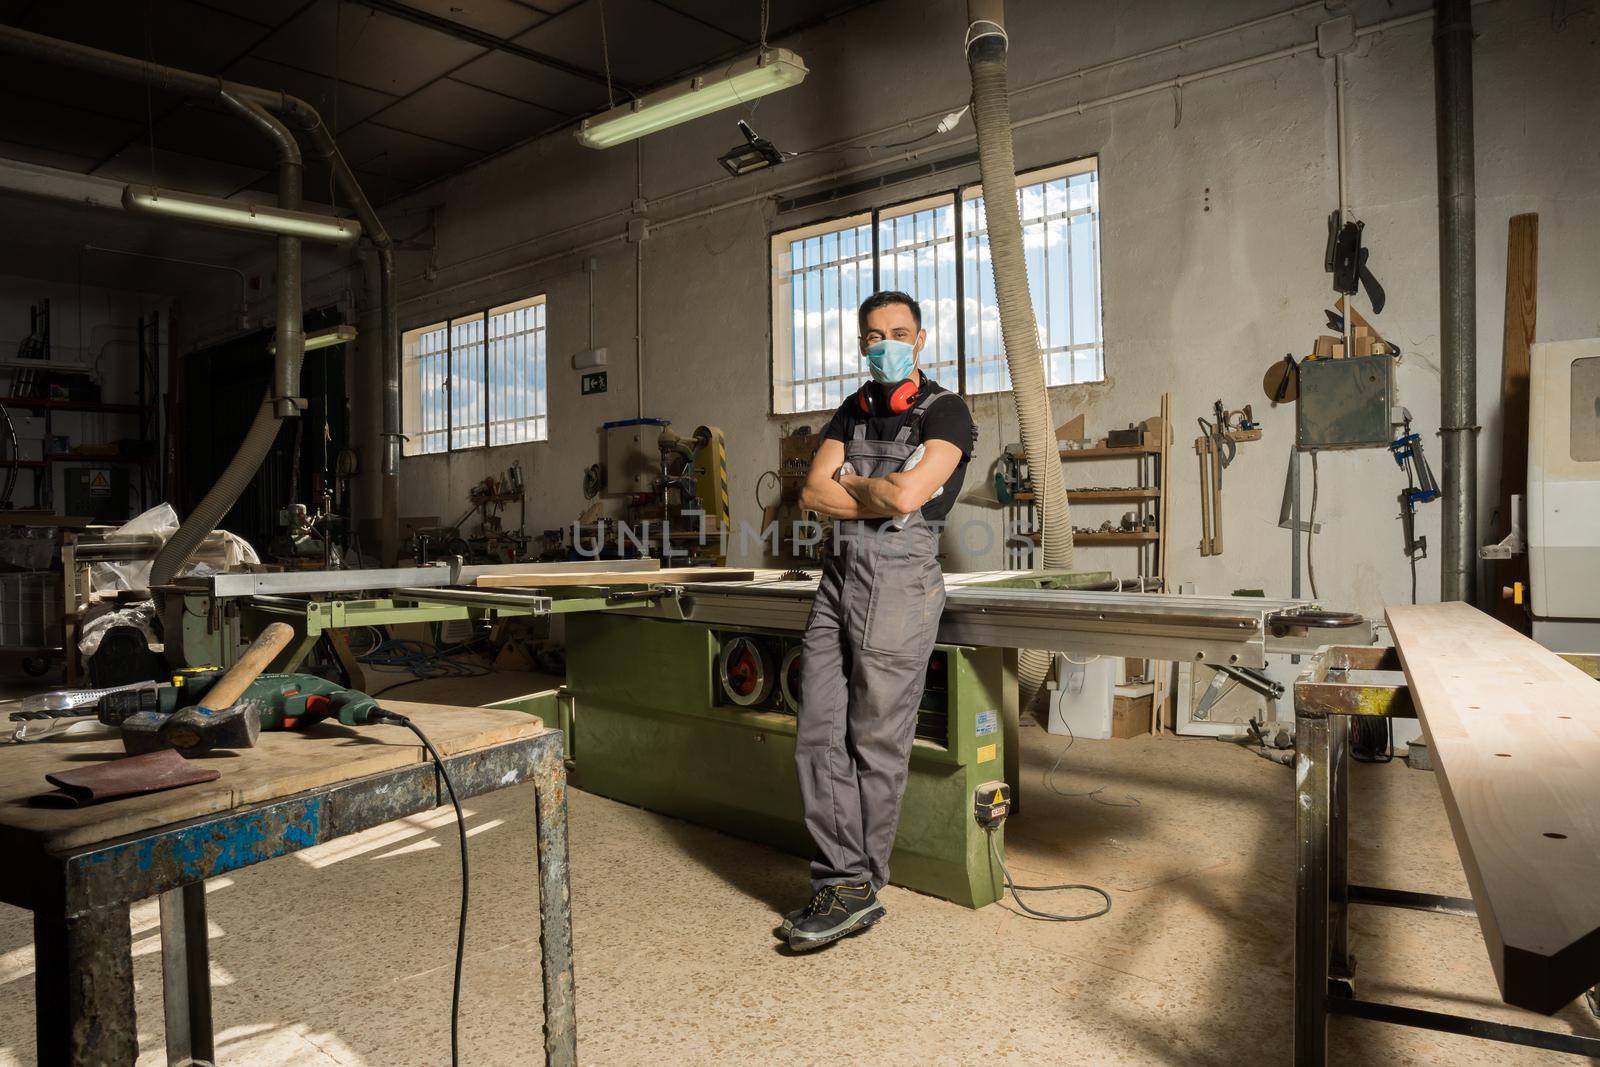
<point>1458,308</point>
<point>991,114</point>
<point>16,41</point>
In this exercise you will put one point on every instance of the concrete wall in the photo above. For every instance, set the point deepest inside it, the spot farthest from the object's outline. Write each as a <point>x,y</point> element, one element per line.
<point>1213,225</point>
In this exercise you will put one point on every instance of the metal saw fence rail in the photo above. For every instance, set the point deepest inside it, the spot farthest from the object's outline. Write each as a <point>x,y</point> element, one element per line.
<point>1220,630</point>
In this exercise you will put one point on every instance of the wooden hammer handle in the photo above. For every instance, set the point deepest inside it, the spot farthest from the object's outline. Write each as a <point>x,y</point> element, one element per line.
<point>249,666</point>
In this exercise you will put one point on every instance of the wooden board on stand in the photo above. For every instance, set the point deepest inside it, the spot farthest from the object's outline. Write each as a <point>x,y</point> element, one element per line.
<point>1514,733</point>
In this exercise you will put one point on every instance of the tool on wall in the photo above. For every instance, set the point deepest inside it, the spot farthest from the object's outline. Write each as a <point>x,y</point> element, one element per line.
<point>1217,446</point>
<point>1346,260</point>
<point>1420,486</point>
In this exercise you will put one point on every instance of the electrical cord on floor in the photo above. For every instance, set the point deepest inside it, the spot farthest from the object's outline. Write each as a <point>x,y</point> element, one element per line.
<point>1018,890</point>
<point>396,719</point>
<point>1130,801</point>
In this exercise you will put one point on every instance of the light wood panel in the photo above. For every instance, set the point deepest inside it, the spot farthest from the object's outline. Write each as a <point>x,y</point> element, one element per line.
<point>671,576</point>
<point>1515,734</point>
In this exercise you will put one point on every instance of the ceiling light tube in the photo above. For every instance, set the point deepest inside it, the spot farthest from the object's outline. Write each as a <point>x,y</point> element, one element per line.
<point>738,83</point>
<point>239,215</point>
<point>333,335</point>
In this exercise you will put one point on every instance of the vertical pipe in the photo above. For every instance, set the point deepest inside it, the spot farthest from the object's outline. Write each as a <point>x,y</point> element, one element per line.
<point>1458,315</point>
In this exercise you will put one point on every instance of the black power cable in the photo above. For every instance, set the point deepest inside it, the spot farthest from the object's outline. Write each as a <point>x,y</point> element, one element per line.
<point>395,719</point>
<point>1018,890</point>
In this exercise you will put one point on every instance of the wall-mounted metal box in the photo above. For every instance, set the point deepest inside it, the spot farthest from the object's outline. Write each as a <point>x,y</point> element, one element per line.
<point>1345,403</point>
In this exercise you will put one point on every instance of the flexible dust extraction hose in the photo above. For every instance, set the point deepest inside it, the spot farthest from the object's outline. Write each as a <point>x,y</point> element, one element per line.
<point>991,114</point>
<point>290,343</point>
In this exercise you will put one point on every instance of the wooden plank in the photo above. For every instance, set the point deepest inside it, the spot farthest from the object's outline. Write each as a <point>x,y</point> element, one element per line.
<point>1522,297</point>
<point>1514,731</point>
<point>282,764</point>
<point>671,576</point>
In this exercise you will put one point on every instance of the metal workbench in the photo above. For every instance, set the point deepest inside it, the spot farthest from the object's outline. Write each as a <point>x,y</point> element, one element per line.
<point>79,884</point>
<point>1326,695</point>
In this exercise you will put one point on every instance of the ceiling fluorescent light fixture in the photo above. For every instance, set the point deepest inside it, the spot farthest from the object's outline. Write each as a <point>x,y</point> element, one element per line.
<point>738,83</point>
<point>238,215</point>
<point>333,335</point>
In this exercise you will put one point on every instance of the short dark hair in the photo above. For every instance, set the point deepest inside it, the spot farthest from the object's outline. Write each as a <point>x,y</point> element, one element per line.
<point>883,300</point>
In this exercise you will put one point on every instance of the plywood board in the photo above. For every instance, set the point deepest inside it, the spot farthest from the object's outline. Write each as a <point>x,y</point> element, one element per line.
<point>282,764</point>
<point>672,576</point>
<point>1515,735</point>
<point>1522,299</point>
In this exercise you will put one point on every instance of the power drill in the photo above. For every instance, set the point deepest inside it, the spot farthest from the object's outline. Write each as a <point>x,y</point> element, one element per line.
<point>171,716</point>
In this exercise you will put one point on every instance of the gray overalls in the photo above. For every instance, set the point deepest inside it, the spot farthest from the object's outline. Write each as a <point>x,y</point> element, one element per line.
<point>867,643</point>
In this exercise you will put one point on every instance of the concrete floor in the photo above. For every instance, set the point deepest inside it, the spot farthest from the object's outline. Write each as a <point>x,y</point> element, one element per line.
<point>342,954</point>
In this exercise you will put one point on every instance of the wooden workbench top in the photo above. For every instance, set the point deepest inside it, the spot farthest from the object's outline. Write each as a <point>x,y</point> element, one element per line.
<point>282,764</point>
<point>1514,731</point>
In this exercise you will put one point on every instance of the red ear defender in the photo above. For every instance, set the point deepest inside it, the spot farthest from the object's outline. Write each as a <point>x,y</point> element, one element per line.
<point>904,397</point>
<point>900,400</point>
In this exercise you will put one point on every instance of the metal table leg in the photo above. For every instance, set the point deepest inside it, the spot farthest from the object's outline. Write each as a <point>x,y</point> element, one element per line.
<point>83,986</point>
<point>186,974</point>
<point>1311,941</point>
<point>1341,965</point>
<point>555,910</point>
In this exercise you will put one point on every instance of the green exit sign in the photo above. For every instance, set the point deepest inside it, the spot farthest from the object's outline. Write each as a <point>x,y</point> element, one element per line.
<point>593,383</point>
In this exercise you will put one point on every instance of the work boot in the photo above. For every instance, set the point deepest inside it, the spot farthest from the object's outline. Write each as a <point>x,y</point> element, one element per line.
<point>835,911</point>
<point>794,916</point>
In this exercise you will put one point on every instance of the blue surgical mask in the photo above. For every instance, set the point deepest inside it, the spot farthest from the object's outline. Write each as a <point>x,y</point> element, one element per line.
<point>891,362</point>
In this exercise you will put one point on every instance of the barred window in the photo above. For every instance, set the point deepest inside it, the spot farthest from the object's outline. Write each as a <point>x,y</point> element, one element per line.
<point>937,250</point>
<point>476,379</point>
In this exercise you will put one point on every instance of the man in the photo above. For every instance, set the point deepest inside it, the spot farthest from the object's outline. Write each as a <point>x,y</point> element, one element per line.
<point>889,468</point>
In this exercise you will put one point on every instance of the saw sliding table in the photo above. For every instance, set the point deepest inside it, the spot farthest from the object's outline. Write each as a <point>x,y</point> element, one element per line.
<point>79,869</point>
<point>1513,731</point>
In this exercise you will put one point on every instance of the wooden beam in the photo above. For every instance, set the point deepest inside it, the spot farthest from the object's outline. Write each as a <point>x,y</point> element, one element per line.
<point>1514,732</point>
<point>1522,299</point>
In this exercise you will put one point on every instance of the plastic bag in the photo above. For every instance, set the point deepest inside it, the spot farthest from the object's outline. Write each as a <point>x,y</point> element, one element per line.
<point>141,615</point>
<point>220,551</point>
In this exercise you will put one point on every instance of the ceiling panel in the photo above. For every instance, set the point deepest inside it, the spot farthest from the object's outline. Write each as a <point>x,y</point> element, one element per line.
<point>743,18</point>
<point>179,34</point>
<point>385,151</point>
<point>29,120</point>
<point>503,18</point>
<point>341,104</point>
<point>174,170</point>
<point>267,12</point>
<point>90,92</point>
<point>46,157</point>
<point>534,83</point>
<point>374,49</point>
<point>648,42</point>
<point>462,114</point>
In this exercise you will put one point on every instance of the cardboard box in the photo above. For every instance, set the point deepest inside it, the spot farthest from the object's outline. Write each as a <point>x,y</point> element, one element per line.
<point>1130,710</point>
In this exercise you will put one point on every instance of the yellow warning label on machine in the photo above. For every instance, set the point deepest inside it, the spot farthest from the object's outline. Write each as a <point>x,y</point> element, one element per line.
<point>986,753</point>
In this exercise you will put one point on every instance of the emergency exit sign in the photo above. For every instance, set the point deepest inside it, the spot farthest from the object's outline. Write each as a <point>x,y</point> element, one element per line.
<point>592,383</point>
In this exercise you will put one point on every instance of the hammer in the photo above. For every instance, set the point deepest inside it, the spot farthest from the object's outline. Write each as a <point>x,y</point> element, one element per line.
<point>218,720</point>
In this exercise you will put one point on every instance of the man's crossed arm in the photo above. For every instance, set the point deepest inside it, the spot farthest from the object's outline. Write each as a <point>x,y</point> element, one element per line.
<point>856,497</point>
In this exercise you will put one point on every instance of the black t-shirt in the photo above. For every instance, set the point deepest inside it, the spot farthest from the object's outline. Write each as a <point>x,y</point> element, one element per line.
<point>945,420</point>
